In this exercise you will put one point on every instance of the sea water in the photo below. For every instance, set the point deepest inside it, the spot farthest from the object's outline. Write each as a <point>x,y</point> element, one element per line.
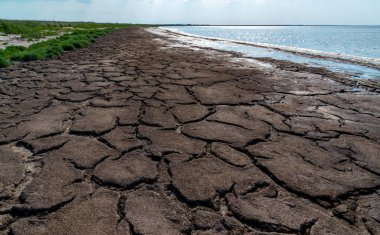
<point>354,50</point>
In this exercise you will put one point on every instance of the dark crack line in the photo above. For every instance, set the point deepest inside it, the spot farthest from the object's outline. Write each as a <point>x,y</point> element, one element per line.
<point>21,211</point>
<point>131,186</point>
<point>121,208</point>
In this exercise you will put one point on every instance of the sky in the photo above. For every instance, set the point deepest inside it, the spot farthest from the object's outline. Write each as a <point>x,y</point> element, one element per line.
<point>349,12</point>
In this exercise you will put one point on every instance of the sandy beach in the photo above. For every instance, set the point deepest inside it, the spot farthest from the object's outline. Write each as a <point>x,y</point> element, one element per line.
<point>138,133</point>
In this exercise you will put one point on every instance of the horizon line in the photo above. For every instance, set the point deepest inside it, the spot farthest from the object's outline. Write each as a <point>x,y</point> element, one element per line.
<point>268,24</point>
<point>189,24</point>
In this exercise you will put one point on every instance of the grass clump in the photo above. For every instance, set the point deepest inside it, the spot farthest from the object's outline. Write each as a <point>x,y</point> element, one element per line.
<point>4,62</point>
<point>68,46</point>
<point>27,55</point>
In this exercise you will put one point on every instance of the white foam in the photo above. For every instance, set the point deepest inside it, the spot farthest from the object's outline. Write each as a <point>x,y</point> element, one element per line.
<point>185,39</point>
<point>193,43</point>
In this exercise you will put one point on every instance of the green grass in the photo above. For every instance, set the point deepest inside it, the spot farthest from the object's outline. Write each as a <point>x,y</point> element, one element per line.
<point>28,29</point>
<point>51,48</point>
<point>38,29</point>
<point>4,62</point>
<point>78,35</point>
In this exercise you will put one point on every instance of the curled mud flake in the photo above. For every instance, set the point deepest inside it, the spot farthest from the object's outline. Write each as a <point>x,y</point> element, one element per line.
<point>160,214</point>
<point>16,171</point>
<point>200,181</point>
<point>301,165</point>
<point>130,170</point>
<point>91,214</point>
<point>170,141</point>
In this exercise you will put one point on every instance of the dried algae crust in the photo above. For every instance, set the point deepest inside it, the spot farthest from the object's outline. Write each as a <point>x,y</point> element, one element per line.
<point>127,137</point>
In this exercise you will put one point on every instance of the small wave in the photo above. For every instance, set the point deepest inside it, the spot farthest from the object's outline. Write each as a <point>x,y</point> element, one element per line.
<point>366,61</point>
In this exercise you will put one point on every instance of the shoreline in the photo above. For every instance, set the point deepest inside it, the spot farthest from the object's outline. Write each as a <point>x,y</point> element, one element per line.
<point>282,64</point>
<point>355,60</point>
<point>139,134</point>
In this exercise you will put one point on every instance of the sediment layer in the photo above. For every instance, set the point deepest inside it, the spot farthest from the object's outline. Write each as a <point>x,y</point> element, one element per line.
<point>134,136</point>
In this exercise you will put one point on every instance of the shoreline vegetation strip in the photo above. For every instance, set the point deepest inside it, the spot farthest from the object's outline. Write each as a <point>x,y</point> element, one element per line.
<point>76,35</point>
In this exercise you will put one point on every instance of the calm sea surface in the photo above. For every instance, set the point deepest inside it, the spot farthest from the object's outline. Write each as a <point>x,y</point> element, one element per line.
<point>358,44</point>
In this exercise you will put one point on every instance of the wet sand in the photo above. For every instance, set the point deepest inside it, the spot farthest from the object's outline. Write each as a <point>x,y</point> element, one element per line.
<point>137,134</point>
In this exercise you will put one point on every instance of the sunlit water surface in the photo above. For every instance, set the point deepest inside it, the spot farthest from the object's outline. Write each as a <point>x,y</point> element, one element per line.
<point>359,43</point>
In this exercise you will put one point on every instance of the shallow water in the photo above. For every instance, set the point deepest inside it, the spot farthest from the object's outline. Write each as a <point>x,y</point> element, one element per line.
<point>359,44</point>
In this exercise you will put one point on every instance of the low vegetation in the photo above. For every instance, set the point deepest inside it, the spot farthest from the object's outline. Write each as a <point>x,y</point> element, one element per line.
<point>39,29</point>
<point>76,35</point>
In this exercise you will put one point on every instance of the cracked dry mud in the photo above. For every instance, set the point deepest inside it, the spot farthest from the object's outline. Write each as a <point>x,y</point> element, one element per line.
<point>134,136</point>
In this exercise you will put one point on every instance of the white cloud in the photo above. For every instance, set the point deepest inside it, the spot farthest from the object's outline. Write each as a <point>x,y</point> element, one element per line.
<point>197,11</point>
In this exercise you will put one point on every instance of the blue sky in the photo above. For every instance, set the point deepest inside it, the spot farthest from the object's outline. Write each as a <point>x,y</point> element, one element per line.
<point>197,11</point>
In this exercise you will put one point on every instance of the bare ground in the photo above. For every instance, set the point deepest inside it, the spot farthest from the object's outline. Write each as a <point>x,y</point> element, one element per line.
<point>132,136</point>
